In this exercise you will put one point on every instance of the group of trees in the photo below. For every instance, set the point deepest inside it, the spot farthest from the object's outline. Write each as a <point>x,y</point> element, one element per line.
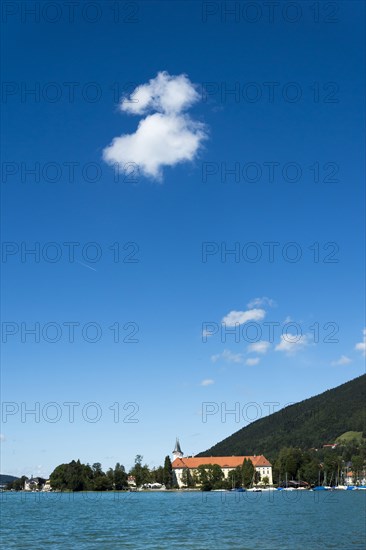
<point>80,477</point>
<point>76,476</point>
<point>143,475</point>
<point>321,466</point>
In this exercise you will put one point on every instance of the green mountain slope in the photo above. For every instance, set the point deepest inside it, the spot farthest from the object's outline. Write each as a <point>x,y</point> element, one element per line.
<point>307,424</point>
<point>6,479</point>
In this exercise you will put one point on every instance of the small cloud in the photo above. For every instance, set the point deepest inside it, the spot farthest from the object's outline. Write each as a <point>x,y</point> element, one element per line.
<point>207,382</point>
<point>264,301</point>
<point>361,346</point>
<point>292,343</point>
<point>251,361</point>
<point>228,357</point>
<point>164,93</point>
<point>259,347</point>
<point>165,137</point>
<point>240,317</point>
<point>2,437</point>
<point>206,333</point>
<point>287,320</point>
<point>343,360</point>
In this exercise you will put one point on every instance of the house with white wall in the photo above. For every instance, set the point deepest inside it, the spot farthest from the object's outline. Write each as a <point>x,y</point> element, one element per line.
<point>181,464</point>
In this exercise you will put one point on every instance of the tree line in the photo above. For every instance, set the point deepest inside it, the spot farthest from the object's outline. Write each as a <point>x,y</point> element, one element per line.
<point>76,476</point>
<point>326,466</point>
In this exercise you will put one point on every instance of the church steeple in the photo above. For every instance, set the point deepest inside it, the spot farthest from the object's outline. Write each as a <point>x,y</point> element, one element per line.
<point>177,453</point>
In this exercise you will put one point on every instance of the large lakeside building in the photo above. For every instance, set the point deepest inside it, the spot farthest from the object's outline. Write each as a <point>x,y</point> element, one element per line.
<point>226,463</point>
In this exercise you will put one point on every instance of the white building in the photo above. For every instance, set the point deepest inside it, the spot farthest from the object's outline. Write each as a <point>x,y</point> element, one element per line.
<point>226,463</point>
<point>33,484</point>
<point>351,479</point>
<point>47,486</point>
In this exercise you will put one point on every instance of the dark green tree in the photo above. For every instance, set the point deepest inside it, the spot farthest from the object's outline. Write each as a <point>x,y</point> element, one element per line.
<point>357,467</point>
<point>287,464</point>
<point>257,477</point>
<point>187,478</point>
<point>140,472</point>
<point>168,473</point>
<point>120,477</point>
<point>247,472</point>
<point>309,471</point>
<point>72,477</point>
<point>235,478</point>
<point>157,475</point>
<point>210,476</point>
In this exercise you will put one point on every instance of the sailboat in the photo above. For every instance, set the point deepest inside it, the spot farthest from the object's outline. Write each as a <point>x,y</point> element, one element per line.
<point>321,487</point>
<point>252,488</point>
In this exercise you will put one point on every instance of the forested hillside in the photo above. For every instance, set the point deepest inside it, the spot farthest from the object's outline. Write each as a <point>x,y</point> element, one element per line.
<point>307,424</point>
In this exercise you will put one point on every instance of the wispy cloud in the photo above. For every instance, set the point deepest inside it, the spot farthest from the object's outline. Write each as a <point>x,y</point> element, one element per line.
<point>165,137</point>
<point>264,301</point>
<point>207,382</point>
<point>361,346</point>
<point>241,317</point>
<point>291,343</point>
<point>251,361</point>
<point>343,360</point>
<point>259,347</point>
<point>228,357</point>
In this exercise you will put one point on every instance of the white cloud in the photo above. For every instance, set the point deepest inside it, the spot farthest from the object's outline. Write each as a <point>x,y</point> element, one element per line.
<point>2,437</point>
<point>259,347</point>
<point>241,317</point>
<point>164,93</point>
<point>292,343</point>
<point>251,361</point>
<point>264,301</point>
<point>164,138</point>
<point>228,357</point>
<point>361,346</point>
<point>207,382</point>
<point>343,360</point>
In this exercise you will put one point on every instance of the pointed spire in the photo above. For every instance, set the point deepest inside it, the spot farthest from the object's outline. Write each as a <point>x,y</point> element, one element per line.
<point>177,450</point>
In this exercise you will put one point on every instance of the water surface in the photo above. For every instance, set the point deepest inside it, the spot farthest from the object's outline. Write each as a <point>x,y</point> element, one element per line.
<point>186,520</point>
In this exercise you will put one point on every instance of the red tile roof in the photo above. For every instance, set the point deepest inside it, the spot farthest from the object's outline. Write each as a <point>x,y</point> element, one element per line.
<point>222,461</point>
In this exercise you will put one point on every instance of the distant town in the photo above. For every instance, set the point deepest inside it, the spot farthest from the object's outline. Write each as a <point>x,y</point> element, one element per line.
<point>334,466</point>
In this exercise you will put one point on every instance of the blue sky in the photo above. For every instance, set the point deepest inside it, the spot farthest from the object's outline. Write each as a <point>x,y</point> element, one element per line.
<point>294,134</point>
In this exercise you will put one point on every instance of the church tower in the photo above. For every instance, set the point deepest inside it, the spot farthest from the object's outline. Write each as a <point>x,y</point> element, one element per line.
<point>177,453</point>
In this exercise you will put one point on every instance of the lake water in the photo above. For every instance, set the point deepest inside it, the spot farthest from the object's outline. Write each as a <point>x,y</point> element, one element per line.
<point>186,520</point>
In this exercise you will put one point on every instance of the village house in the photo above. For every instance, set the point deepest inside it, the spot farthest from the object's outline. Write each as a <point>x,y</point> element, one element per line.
<point>131,481</point>
<point>47,486</point>
<point>33,484</point>
<point>226,463</point>
<point>351,479</point>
